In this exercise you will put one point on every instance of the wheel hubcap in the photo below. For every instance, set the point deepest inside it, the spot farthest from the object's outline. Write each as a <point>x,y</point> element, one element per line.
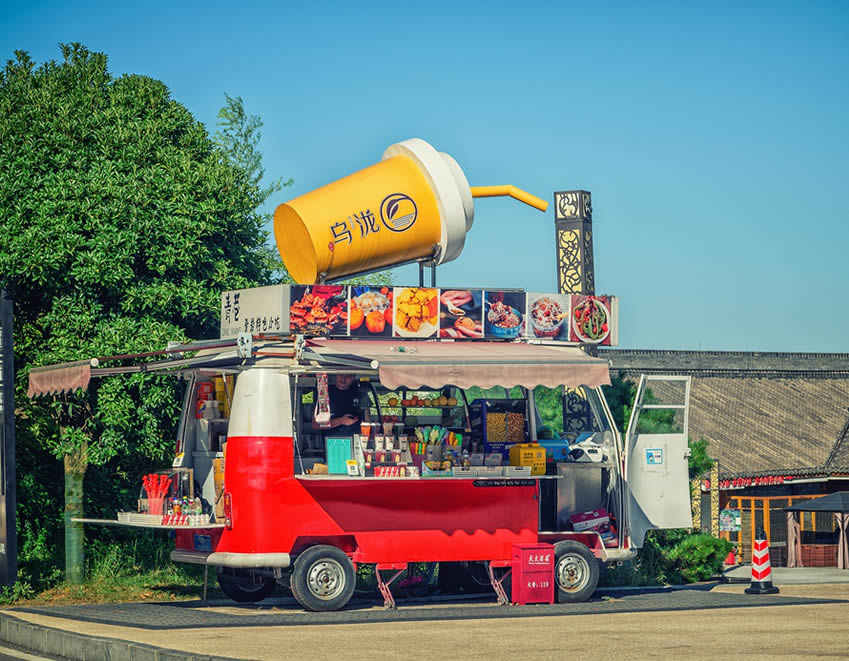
<point>572,573</point>
<point>326,579</point>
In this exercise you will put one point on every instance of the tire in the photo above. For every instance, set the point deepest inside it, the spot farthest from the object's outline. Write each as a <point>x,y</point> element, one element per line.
<point>323,579</point>
<point>243,586</point>
<point>576,572</point>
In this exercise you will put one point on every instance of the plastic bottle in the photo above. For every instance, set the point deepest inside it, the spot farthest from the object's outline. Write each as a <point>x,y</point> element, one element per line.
<point>210,409</point>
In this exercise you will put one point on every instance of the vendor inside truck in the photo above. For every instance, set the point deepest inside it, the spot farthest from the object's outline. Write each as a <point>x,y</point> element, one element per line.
<point>346,407</point>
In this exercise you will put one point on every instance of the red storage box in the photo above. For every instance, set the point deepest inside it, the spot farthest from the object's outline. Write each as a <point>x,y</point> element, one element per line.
<point>533,574</point>
<point>592,520</point>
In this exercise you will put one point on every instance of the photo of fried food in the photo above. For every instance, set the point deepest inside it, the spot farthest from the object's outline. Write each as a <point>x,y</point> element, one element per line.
<point>416,311</point>
<point>318,310</point>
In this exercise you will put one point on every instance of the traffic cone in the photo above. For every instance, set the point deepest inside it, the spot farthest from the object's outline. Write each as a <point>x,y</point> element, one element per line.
<point>761,570</point>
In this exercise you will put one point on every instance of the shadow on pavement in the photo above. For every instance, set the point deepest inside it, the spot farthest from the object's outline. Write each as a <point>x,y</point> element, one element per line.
<point>285,612</point>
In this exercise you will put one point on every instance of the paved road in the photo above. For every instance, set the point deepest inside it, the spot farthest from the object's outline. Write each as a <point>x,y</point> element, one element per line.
<point>802,621</point>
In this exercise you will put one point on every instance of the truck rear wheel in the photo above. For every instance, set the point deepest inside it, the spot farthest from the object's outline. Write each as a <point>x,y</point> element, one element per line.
<point>243,586</point>
<point>323,579</point>
<point>576,572</point>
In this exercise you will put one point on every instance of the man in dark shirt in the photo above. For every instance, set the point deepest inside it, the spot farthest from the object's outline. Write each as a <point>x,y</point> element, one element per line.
<point>346,406</point>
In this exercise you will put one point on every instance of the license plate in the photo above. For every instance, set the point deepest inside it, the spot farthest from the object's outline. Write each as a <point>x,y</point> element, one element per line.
<point>202,543</point>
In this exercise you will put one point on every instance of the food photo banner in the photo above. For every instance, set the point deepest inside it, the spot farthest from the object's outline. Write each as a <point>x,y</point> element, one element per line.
<point>420,312</point>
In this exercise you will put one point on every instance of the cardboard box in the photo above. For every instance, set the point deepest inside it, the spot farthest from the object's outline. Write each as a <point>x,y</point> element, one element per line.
<point>590,520</point>
<point>528,454</point>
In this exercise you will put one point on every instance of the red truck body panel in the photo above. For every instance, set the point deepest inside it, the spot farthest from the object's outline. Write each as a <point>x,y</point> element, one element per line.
<point>375,520</point>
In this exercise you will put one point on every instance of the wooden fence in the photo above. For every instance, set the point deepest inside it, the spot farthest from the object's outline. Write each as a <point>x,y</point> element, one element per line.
<point>768,512</point>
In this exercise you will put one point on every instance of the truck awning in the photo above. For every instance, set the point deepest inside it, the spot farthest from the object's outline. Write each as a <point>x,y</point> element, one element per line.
<point>66,377</point>
<point>465,364</point>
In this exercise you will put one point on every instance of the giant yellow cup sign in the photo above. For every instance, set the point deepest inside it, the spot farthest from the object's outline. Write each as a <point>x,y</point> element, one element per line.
<point>414,204</point>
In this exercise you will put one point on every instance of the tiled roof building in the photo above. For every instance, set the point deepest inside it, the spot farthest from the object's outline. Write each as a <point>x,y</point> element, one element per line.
<point>765,415</point>
<point>779,425</point>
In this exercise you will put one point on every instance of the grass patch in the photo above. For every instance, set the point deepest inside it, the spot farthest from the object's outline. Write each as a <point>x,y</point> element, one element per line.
<point>134,569</point>
<point>170,583</point>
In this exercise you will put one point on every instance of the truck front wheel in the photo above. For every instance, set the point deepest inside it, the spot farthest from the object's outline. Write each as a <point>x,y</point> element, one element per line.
<point>576,572</point>
<point>323,579</point>
<point>243,586</point>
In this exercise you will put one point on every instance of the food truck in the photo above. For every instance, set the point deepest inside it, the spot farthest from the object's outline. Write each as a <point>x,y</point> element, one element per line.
<point>451,462</point>
<point>447,467</point>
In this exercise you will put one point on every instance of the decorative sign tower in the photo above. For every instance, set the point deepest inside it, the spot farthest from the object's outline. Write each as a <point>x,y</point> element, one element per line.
<point>573,217</point>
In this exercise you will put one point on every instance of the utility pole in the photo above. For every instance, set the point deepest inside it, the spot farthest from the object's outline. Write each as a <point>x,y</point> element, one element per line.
<point>8,537</point>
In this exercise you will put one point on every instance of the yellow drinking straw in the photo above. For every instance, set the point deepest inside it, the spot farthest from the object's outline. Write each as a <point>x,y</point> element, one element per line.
<point>510,191</point>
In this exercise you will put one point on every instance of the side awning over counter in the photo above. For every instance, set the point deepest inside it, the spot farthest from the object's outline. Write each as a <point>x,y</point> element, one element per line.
<point>68,377</point>
<point>465,364</point>
<point>60,378</point>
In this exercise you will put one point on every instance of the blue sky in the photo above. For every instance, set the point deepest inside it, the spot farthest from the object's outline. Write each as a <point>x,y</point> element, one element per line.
<point>713,136</point>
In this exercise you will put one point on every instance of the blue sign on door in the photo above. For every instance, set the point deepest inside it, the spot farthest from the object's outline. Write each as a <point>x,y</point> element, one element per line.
<point>654,456</point>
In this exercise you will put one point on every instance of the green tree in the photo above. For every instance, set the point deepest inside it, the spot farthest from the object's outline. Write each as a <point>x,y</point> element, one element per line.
<point>700,461</point>
<point>622,393</point>
<point>122,225</point>
<point>620,396</point>
<point>238,137</point>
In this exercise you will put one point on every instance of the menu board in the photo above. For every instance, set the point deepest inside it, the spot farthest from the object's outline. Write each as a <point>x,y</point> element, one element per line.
<point>594,320</point>
<point>258,310</point>
<point>505,314</point>
<point>416,312</point>
<point>548,316</point>
<point>379,311</point>
<point>461,313</point>
<point>371,311</point>
<point>319,310</point>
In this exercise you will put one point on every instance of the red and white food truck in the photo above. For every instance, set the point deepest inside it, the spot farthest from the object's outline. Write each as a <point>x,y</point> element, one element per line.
<point>288,512</point>
<point>279,500</point>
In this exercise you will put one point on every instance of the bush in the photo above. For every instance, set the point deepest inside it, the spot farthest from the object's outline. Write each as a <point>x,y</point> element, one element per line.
<point>698,557</point>
<point>20,589</point>
<point>671,557</point>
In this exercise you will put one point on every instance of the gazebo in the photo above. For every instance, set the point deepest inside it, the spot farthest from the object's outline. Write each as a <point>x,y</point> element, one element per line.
<point>838,503</point>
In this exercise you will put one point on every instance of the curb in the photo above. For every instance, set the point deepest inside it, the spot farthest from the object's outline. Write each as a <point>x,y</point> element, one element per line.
<point>79,647</point>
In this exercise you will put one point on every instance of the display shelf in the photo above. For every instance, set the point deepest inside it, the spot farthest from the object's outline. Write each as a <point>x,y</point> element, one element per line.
<point>115,522</point>
<point>428,479</point>
<point>423,406</point>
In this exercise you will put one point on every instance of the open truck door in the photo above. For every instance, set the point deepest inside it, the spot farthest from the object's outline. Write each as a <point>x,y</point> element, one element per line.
<point>656,452</point>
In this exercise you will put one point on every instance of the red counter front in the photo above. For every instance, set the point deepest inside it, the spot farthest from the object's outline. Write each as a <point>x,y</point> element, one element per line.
<point>373,519</point>
<point>390,520</point>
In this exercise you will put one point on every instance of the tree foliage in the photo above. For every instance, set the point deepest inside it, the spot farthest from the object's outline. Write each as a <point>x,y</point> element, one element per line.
<point>238,137</point>
<point>620,396</point>
<point>700,461</point>
<point>122,223</point>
